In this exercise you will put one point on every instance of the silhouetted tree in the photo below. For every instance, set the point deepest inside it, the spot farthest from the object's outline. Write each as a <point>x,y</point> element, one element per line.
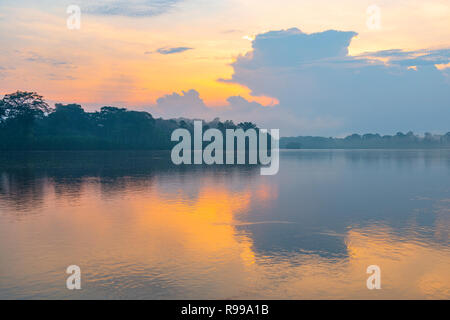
<point>28,123</point>
<point>19,111</point>
<point>22,103</point>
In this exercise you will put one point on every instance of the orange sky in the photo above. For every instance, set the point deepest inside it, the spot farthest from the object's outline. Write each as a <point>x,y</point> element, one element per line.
<point>113,60</point>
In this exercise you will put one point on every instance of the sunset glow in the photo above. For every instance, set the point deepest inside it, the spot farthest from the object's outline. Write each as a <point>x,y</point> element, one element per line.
<point>113,59</point>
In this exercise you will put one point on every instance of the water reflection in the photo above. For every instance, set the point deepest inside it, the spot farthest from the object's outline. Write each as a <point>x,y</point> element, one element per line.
<point>141,228</point>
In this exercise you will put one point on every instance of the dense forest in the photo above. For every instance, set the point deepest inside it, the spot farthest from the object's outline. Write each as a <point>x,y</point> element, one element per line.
<point>27,122</point>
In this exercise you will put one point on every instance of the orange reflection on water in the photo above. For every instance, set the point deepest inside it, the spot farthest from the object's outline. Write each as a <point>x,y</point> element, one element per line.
<point>202,242</point>
<point>203,224</point>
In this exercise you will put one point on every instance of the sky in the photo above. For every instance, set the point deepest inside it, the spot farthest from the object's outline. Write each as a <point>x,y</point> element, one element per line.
<point>319,67</point>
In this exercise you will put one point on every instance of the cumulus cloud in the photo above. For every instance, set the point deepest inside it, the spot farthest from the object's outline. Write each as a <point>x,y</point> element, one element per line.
<point>323,91</point>
<point>316,81</point>
<point>291,47</point>
<point>189,104</point>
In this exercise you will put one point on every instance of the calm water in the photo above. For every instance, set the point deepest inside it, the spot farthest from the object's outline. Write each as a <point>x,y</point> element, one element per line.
<point>141,228</point>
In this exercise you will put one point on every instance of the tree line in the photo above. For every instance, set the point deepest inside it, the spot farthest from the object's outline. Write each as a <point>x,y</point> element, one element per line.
<point>27,122</point>
<point>369,141</point>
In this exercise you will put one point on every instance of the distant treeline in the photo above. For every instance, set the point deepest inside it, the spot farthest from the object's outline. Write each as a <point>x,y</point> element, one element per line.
<point>368,141</point>
<point>28,123</point>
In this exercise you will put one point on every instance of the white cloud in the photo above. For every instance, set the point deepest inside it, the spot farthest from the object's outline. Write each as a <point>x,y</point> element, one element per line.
<point>189,104</point>
<point>313,77</point>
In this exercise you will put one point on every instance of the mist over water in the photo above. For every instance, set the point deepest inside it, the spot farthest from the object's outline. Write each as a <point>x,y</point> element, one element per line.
<point>140,227</point>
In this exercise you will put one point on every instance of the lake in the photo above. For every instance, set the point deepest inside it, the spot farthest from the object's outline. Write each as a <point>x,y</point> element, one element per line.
<point>141,228</point>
